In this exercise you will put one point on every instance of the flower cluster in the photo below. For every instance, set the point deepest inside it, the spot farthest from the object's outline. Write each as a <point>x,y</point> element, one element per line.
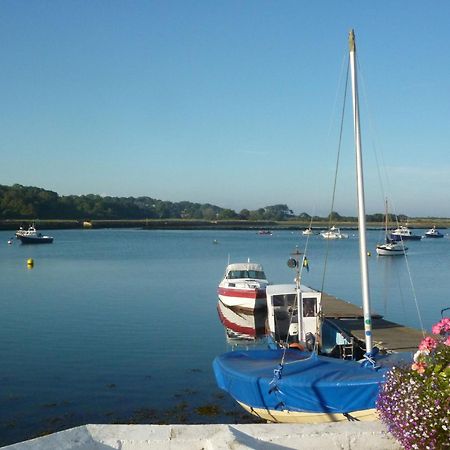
<point>414,401</point>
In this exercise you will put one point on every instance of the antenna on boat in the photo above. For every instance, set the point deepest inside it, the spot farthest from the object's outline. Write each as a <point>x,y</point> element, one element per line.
<point>360,192</point>
<point>294,263</point>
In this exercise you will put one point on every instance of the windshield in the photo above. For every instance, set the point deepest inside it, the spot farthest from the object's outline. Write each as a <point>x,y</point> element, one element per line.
<point>255,274</point>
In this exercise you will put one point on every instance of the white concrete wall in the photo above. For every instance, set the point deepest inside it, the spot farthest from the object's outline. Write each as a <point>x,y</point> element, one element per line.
<point>343,436</point>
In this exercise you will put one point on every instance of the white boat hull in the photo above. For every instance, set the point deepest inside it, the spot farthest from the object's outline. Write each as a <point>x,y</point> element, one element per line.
<point>334,236</point>
<point>333,233</point>
<point>243,286</point>
<point>242,298</point>
<point>391,250</point>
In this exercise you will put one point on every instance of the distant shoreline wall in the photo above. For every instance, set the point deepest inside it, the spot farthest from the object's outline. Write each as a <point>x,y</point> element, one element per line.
<point>180,224</point>
<point>155,224</point>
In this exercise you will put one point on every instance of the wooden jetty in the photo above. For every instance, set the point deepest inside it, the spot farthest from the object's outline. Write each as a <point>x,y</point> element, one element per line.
<point>386,335</point>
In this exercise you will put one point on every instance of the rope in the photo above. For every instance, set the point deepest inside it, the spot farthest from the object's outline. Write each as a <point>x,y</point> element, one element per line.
<point>336,174</point>
<point>392,200</point>
<point>416,303</point>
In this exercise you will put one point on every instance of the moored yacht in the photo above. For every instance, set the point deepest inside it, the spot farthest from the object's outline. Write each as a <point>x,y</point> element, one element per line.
<point>404,233</point>
<point>243,286</point>
<point>333,233</point>
<point>31,236</point>
<point>433,233</point>
<point>390,247</point>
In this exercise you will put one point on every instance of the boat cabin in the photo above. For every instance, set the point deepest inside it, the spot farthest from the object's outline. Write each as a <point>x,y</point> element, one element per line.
<point>245,271</point>
<point>286,324</point>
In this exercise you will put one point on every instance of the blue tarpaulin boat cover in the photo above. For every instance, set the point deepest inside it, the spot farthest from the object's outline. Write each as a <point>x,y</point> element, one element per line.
<point>308,382</point>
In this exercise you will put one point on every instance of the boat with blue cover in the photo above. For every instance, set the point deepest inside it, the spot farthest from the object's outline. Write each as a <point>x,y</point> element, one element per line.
<point>306,385</point>
<point>288,385</point>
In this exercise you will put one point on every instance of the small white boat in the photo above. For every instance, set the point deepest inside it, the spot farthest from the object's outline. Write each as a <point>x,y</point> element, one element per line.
<point>31,236</point>
<point>308,232</point>
<point>243,286</point>
<point>333,233</point>
<point>390,248</point>
<point>433,233</point>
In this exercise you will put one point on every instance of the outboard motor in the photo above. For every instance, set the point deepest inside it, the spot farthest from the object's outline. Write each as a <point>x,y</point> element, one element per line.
<point>310,341</point>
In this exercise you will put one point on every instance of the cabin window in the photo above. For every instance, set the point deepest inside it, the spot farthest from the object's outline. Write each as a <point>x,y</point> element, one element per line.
<point>309,307</point>
<point>284,300</point>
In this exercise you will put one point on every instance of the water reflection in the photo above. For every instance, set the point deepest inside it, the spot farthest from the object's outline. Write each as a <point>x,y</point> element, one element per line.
<point>242,325</point>
<point>258,329</point>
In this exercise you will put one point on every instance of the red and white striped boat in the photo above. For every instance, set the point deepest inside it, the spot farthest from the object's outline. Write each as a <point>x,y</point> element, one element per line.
<point>243,286</point>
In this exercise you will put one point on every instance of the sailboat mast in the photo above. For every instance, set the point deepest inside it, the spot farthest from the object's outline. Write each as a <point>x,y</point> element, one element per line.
<point>361,206</point>
<point>386,220</point>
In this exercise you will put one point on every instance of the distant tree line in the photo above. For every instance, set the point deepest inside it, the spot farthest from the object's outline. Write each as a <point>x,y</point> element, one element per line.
<point>25,202</point>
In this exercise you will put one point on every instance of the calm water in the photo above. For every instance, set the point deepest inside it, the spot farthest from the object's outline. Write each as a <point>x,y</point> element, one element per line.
<point>121,325</point>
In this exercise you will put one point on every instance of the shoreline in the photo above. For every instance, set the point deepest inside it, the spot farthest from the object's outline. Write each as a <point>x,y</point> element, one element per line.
<point>184,224</point>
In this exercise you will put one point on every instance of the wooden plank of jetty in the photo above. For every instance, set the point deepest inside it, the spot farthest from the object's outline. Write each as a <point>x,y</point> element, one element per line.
<point>386,335</point>
<point>336,308</point>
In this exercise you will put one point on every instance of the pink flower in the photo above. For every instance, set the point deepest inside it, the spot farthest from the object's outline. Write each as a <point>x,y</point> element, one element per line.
<point>428,344</point>
<point>441,327</point>
<point>419,367</point>
<point>447,341</point>
<point>436,329</point>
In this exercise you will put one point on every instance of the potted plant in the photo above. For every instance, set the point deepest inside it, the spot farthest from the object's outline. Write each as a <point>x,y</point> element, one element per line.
<point>414,402</point>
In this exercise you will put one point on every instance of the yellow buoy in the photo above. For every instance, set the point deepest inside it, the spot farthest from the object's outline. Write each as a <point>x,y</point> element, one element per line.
<point>369,254</point>
<point>30,262</point>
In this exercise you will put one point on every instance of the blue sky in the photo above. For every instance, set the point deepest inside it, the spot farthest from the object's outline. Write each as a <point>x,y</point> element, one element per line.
<point>234,103</point>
